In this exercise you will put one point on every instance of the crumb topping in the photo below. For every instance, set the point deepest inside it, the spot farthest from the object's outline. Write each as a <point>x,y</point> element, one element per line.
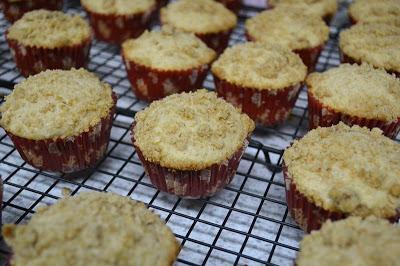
<point>260,66</point>
<point>168,50</point>
<point>119,7</point>
<point>291,27</point>
<point>348,169</point>
<point>358,90</point>
<point>49,29</point>
<point>352,241</point>
<point>92,228</point>
<point>209,16</point>
<point>195,130</point>
<point>56,103</point>
<point>372,10</point>
<point>317,7</point>
<point>375,43</point>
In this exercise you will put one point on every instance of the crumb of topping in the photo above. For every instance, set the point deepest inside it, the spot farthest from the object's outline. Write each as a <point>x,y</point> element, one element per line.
<point>119,7</point>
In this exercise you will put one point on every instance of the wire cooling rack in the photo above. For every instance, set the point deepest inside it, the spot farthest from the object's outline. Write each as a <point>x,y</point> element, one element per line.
<point>247,223</point>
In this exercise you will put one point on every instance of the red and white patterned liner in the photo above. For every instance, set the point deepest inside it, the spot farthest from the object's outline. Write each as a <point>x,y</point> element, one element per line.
<point>191,184</point>
<point>68,154</point>
<point>323,116</point>
<point>152,84</point>
<point>15,10</point>
<point>233,5</point>
<point>116,29</point>
<point>308,215</point>
<point>31,60</point>
<point>266,107</point>
<point>216,41</point>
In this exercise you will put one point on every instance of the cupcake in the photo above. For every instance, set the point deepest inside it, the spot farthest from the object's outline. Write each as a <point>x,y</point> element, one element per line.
<point>260,79</point>
<point>233,5</point>
<point>325,9</point>
<point>339,171</point>
<point>301,32</point>
<point>209,20</point>
<point>117,21</point>
<point>60,120</point>
<point>92,228</point>
<point>377,44</point>
<point>372,10</point>
<point>44,39</point>
<point>353,241</point>
<point>190,144</point>
<point>160,63</point>
<point>15,9</point>
<point>355,95</point>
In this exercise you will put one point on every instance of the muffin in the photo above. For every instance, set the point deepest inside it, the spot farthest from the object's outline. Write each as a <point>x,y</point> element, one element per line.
<point>260,79</point>
<point>44,39</point>
<point>355,95</point>
<point>339,171</point>
<point>60,120</point>
<point>353,241</point>
<point>326,9</point>
<point>92,228</point>
<point>214,22</point>
<point>117,21</point>
<point>160,63</point>
<point>301,32</point>
<point>15,9</point>
<point>233,5</point>
<point>190,144</point>
<point>372,10</point>
<point>377,44</point>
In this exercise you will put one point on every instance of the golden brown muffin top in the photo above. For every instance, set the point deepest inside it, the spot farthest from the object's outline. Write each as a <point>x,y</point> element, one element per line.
<point>56,103</point>
<point>356,90</point>
<point>317,7</point>
<point>49,29</point>
<point>92,228</point>
<point>119,7</point>
<point>260,66</point>
<point>372,10</point>
<point>351,170</point>
<point>191,131</point>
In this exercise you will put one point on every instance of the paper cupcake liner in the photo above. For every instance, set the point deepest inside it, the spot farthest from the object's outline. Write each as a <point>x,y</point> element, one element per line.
<point>15,10</point>
<point>344,58</point>
<point>216,41</point>
<point>191,184</point>
<point>152,84</point>
<point>266,107</point>
<point>31,60</point>
<point>69,154</point>
<point>116,29</point>
<point>323,116</point>
<point>233,5</point>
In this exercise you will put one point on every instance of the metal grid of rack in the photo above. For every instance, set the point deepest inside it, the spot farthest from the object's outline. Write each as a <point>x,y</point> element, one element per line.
<point>247,223</point>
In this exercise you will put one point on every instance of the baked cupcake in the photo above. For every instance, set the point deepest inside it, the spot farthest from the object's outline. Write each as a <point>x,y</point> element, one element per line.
<point>339,171</point>
<point>60,120</point>
<point>160,63</point>
<point>355,95</point>
<point>92,228</point>
<point>117,21</point>
<point>301,32</point>
<point>377,44</point>
<point>15,9</point>
<point>209,20</point>
<point>260,79</point>
<point>372,10</point>
<point>233,5</point>
<point>190,144</point>
<point>44,39</point>
<point>325,9</point>
<point>353,241</point>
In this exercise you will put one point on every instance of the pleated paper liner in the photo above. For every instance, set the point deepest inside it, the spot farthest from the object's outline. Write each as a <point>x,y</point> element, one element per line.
<point>233,5</point>
<point>14,10</point>
<point>344,58</point>
<point>116,29</point>
<point>191,184</point>
<point>266,107</point>
<point>151,84</point>
<point>31,60</point>
<point>69,154</point>
<point>217,41</point>
<point>307,215</point>
<point>323,116</point>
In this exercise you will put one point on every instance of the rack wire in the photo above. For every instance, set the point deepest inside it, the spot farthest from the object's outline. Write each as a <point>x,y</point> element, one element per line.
<point>247,223</point>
